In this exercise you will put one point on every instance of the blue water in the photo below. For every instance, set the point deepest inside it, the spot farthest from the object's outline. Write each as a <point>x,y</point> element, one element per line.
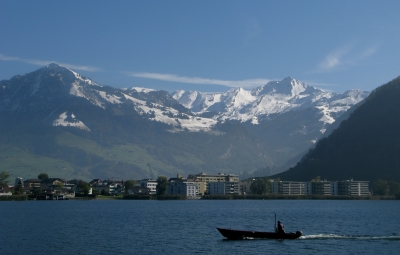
<point>189,227</point>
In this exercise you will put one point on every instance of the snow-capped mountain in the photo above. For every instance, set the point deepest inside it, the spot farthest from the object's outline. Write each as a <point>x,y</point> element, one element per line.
<point>238,131</point>
<point>50,85</point>
<point>48,88</point>
<point>274,98</point>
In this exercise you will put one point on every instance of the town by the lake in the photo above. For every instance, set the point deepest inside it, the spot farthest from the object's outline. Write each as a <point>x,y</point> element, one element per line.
<point>194,186</point>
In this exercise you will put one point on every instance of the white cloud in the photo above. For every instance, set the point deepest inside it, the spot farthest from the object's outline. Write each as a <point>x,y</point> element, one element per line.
<point>334,59</point>
<point>349,55</point>
<point>249,83</point>
<point>370,51</point>
<point>46,62</point>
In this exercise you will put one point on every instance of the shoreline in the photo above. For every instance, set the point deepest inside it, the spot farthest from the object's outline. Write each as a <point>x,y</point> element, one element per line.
<point>212,197</point>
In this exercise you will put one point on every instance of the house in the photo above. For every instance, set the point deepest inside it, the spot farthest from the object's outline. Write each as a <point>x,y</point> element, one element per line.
<point>55,194</point>
<point>5,191</point>
<point>94,181</point>
<point>111,187</point>
<point>71,183</point>
<point>51,183</point>
<point>32,184</point>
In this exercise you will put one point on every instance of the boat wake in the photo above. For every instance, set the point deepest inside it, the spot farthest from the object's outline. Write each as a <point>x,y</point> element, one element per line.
<point>393,237</point>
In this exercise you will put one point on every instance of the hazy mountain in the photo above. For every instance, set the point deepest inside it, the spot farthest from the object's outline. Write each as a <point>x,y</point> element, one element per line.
<point>366,146</point>
<point>288,115</point>
<point>56,121</point>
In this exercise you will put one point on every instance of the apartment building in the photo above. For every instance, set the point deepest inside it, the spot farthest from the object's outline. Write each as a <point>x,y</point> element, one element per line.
<point>151,184</point>
<point>289,188</point>
<point>319,188</point>
<point>230,183</point>
<point>185,188</point>
<point>350,188</point>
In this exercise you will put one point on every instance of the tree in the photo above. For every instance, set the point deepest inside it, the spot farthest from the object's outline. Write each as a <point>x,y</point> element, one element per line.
<point>161,188</point>
<point>43,176</point>
<point>316,179</point>
<point>381,188</point>
<point>104,193</point>
<point>18,190</point>
<point>36,191</point>
<point>60,184</point>
<point>83,187</point>
<point>394,188</point>
<point>128,185</point>
<point>3,179</point>
<point>260,186</point>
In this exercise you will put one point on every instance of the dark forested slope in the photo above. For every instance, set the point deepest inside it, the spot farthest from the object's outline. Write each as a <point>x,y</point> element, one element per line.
<point>366,146</point>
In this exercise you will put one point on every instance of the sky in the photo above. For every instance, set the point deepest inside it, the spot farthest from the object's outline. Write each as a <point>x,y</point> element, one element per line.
<point>208,45</point>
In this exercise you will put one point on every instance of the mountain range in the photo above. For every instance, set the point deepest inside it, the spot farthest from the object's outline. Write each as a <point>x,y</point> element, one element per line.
<point>54,120</point>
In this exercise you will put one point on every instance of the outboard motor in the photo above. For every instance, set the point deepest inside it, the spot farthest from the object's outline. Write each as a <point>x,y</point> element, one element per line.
<point>298,232</point>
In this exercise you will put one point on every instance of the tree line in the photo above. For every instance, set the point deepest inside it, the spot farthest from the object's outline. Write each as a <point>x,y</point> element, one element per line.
<point>386,188</point>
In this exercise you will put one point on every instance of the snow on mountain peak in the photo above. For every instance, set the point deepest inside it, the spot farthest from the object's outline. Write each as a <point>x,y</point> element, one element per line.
<point>253,106</point>
<point>143,90</point>
<point>276,97</point>
<point>52,66</point>
<point>288,86</point>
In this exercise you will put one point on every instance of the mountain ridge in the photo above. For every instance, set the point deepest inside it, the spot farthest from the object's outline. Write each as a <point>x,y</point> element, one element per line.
<point>276,97</point>
<point>52,101</point>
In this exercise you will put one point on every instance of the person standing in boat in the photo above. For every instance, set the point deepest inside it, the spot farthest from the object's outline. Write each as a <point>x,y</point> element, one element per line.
<point>281,228</point>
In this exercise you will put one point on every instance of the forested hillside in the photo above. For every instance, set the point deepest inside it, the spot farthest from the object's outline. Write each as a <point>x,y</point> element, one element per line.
<point>366,146</point>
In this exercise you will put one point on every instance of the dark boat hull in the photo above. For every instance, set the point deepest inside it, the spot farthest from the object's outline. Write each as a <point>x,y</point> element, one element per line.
<point>233,234</point>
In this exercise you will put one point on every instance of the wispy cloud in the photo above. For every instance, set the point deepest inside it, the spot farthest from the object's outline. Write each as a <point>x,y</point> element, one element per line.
<point>370,51</point>
<point>249,83</point>
<point>334,59</point>
<point>38,62</point>
<point>344,57</point>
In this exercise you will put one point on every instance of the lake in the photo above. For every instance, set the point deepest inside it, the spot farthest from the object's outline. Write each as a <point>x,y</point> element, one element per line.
<point>189,226</point>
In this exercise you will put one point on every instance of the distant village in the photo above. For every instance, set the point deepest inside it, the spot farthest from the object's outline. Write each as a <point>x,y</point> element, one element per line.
<point>193,187</point>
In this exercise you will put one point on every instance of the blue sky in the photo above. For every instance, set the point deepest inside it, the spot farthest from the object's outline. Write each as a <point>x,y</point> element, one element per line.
<point>205,45</point>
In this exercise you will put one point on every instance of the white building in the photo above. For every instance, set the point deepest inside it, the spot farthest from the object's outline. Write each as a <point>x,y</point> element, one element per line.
<point>289,188</point>
<point>223,188</point>
<point>151,184</point>
<point>350,188</point>
<point>325,188</point>
<point>231,181</point>
<point>319,188</point>
<point>189,189</point>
